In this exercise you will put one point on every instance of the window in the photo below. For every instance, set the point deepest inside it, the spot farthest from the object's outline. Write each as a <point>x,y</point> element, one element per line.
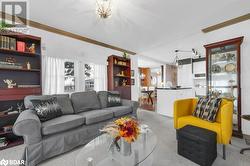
<point>69,77</point>
<point>89,77</point>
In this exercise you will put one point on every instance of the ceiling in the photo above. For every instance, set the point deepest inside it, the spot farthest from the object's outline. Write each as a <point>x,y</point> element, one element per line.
<point>140,26</point>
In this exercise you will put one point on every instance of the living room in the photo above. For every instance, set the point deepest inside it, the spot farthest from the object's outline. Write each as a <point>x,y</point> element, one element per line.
<point>112,82</point>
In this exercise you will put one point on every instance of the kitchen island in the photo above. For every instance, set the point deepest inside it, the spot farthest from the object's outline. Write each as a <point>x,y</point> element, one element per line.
<point>167,96</point>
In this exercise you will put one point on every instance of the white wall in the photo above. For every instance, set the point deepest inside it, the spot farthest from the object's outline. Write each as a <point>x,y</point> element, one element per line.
<point>135,88</point>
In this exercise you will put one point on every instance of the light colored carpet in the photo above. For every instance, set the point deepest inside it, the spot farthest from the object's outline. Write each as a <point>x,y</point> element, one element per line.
<point>165,153</point>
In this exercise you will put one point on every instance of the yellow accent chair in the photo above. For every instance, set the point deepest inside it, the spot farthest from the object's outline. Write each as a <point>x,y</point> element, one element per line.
<point>183,115</point>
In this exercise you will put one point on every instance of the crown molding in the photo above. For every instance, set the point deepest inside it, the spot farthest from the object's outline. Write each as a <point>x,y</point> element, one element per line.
<point>226,23</point>
<point>48,28</point>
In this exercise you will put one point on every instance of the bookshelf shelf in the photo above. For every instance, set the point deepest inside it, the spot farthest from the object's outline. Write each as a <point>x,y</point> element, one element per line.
<point>23,70</point>
<point>8,51</point>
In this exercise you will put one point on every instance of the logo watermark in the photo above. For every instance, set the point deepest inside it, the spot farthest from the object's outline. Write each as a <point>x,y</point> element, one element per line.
<point>14,15</point>
<point>4,162</point>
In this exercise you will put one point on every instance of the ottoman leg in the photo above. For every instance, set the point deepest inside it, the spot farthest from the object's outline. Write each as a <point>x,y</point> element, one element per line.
<point>224,152</point>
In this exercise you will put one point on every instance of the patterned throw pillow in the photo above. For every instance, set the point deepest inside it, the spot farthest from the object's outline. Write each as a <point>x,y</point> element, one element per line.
<point>207,108</point>
<point>47,109</point>
<point>114,100</point>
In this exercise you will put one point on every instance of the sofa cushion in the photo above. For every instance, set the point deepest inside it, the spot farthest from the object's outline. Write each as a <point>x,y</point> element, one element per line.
<point>62,123</point>
<point>120,110</point>
<point>85,101</point>
<point>103,98</point>
<point>96,116</point>
<point>194,121</point>
<point>65,103</point>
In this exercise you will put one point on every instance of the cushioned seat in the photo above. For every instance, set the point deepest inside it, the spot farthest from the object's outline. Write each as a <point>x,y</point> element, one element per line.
<point>96,116</point>
<point>61,123</point>
<point>191,120</point>
<point>120,110</point>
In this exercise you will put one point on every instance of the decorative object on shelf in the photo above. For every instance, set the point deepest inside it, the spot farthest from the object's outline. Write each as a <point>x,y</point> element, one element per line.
<point>7,128</point>
<point>115,61</point>
<point>10,59</point>
<point>215,68</point>
<point>9,83</point>
<point>20,107</point>
<point>125,55</point>
<point>124,82</point>
<point>103,8</point>
<point>215,93</point>
<point>124,129</point>
<point>32,48</point>
<point>230,68</point>
<point>20,46</point>
<point>132,81</point>
<point>28,65</point>
<point>3,142</point>
<point>231,57</point>
<point>116,83</point>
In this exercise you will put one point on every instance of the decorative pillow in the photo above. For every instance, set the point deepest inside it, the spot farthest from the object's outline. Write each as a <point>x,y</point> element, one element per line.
<point>47,109</point>
<point>114,100</point>
<point>207,108</point>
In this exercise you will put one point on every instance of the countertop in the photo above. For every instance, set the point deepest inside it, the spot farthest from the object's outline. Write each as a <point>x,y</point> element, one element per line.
<point>174,88</point>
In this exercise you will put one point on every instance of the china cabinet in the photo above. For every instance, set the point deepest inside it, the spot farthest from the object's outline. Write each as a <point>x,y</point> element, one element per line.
<point>223,75</point>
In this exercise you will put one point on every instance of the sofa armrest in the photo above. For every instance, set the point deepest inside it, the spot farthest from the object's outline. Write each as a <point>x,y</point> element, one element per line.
<point>133,104</point>
<point>28,125</point>
<point>183,107</point>
<point>226,122</point>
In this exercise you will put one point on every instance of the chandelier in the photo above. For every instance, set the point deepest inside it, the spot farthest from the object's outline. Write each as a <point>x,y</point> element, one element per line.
<point>103,8</point>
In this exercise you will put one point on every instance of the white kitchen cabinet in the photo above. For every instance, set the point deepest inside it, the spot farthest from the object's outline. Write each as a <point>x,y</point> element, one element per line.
<point>166,98</point>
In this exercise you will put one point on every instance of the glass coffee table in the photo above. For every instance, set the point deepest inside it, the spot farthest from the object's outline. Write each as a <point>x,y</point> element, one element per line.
<point>97,153</point>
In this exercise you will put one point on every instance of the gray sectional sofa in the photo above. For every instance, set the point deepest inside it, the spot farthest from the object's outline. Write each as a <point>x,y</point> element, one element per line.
<point>83,115</point>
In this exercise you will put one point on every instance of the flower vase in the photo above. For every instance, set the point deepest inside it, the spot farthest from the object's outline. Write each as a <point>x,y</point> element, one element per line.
<point>126,148</point>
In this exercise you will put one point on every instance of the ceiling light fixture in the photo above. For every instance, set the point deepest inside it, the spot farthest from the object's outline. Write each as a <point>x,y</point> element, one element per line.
<point>103,8</point>
<point>177,62</point>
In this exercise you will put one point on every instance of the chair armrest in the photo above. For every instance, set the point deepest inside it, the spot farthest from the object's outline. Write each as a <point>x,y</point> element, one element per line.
<point>133,104</point>
<point>226,122</point>
<point>183,107</point>
<point>28,125</point>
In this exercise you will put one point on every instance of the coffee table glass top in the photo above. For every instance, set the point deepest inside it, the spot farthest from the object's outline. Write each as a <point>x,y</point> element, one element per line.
<point>98,151</point>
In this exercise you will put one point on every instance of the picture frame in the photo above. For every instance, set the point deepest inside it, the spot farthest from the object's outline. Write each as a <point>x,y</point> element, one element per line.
<point>132,73</point>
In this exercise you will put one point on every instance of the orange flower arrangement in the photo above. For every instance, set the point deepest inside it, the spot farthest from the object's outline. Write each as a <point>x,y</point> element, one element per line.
<point>126,127</point>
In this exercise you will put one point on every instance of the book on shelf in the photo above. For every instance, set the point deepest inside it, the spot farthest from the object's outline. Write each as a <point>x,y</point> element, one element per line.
<point>7,43</point>
<point>12,43</point>
<point>20,46</point>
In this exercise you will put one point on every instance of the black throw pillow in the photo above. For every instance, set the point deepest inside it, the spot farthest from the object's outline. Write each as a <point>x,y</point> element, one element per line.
<point>47,109</point>
<point>114,100</point>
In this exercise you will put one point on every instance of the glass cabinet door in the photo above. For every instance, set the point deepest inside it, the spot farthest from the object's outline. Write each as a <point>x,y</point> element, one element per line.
<point>223,75</point>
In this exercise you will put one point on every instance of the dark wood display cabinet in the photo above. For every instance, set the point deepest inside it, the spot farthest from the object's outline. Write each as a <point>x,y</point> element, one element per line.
<point>20,75</point>
<point>119,76</point>
<point>223,75</point>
